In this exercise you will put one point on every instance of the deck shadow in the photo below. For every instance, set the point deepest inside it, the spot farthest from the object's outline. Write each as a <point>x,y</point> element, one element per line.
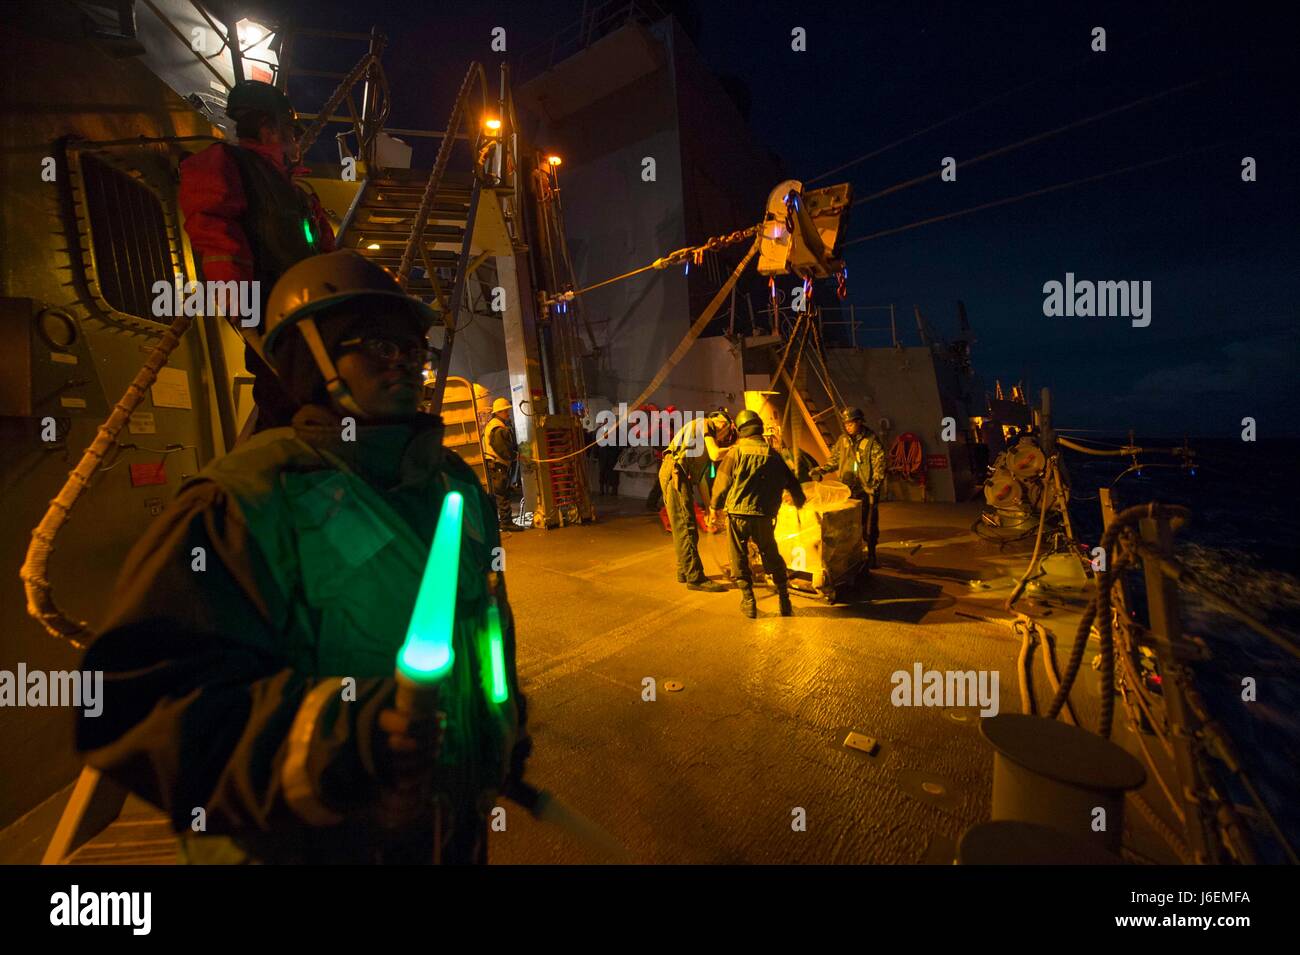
<point>892,599</point>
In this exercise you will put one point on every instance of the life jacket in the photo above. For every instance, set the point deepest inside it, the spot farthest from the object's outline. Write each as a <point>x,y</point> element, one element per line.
<point>278,218</point>
<point>855,467</point>
<point>346,568</point>
<point>488,450</point>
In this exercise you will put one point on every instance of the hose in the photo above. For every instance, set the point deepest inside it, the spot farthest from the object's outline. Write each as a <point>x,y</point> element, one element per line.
<point>40,593</point>
<point>1048,483</point>
<point>1049,663</point>
<point>1025,629</point>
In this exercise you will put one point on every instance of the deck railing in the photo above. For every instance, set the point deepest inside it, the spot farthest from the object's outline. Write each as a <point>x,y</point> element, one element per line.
<point>598,21</point>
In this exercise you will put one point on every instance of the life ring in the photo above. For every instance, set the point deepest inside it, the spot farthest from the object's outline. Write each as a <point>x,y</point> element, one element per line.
<point>906,458</point>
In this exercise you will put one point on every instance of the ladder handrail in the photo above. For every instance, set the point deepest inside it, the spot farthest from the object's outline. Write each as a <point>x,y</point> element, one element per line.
<point>440,167</point>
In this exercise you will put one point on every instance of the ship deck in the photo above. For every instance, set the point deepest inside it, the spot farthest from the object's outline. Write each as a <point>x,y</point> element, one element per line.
<point>715,771</point>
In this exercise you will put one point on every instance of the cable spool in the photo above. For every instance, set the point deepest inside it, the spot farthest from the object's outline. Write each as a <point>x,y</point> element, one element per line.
<point>1026,460</point>
<point>1002,490</point>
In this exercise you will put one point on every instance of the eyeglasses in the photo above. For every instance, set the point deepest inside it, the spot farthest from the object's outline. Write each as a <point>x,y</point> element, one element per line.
<point>387,350</point>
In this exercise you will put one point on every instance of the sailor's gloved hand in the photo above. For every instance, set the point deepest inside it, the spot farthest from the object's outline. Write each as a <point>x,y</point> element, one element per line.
<point>406,749</point>
<point>816,475</point>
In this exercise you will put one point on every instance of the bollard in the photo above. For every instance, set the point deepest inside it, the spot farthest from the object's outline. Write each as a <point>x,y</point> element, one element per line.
<point>1056,775</point>
<point>1026,843</point>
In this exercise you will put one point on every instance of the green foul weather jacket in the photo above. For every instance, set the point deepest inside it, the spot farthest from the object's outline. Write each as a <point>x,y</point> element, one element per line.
<point>858,462</point>
<point>751,478</point>
<point>285,567</point>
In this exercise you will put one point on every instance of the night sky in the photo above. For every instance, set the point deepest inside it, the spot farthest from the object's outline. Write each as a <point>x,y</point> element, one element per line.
<point>1223,256</point>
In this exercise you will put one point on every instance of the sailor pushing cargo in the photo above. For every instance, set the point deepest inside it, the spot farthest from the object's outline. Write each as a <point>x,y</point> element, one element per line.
<point>858,460</point>
<point>701,442</point>
<point>751,482</point>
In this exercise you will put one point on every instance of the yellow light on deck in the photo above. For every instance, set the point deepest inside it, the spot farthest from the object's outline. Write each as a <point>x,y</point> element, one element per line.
<point>493,126</point>
<point>554,160</point>
<point>373,246</point>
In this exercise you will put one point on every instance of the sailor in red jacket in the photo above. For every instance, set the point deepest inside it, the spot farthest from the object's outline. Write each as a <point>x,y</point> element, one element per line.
<point>249,221</point>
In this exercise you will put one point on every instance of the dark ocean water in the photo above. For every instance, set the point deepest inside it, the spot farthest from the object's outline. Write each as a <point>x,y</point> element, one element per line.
<point>1242,542</point>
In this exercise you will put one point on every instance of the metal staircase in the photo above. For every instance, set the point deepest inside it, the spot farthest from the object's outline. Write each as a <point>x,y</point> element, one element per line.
<point>382,218</point>
<point>824,417</point>
<point>436,229</point>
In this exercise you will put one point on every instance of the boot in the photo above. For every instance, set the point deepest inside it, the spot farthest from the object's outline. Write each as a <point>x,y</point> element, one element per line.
<point>707,586</point>
<point>871,559</point>
<point>783,597</point>
<point>747,603</point>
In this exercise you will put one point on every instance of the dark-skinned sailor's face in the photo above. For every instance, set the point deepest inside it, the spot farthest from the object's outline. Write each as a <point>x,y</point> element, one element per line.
<point>381,361</point>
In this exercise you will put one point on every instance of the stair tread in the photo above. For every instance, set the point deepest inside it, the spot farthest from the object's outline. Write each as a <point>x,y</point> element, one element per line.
<point>405,226</point>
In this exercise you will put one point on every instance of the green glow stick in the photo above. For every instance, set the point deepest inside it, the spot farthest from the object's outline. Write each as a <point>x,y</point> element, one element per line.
<point>426,656</point>
<point>306,228</point>
<point>497,648</point>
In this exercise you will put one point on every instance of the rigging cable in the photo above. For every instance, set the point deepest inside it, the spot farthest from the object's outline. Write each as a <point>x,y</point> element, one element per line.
<point>1037,137</point>
<point>1036,192</point>
<point>1037,81</point>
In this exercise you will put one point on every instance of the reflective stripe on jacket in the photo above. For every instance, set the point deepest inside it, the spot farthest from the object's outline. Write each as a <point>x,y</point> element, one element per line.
<point>859,463</point>
<point>751,478</point>
<point>499,442</point>
<point>244,214</point>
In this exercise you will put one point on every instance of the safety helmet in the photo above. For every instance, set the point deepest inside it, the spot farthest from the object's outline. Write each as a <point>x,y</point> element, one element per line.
<point>722,413</point>
<point>749,423</point>
<point>323,281</point>
<point>500,404</point>
<point>254,95</point>
<point>854,414</point>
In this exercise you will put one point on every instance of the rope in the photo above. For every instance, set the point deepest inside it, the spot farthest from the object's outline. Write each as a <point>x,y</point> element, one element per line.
<point>672,258</point>
<point>1171,838</point>
<point>40,593</point>
<point>678,354</point>
<point>313,131</point>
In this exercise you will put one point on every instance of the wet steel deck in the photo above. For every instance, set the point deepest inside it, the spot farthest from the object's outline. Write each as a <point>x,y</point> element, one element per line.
<point>715,771</point>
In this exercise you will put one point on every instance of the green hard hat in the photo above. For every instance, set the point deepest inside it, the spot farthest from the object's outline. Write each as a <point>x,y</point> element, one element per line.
<point>263,97</point>
<point>749,422</point>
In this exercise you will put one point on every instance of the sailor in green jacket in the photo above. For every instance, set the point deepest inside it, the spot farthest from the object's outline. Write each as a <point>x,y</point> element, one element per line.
<point>698,444</point>
<point>750,483</point>
<point>858,460</point>
<point>249,652</point>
